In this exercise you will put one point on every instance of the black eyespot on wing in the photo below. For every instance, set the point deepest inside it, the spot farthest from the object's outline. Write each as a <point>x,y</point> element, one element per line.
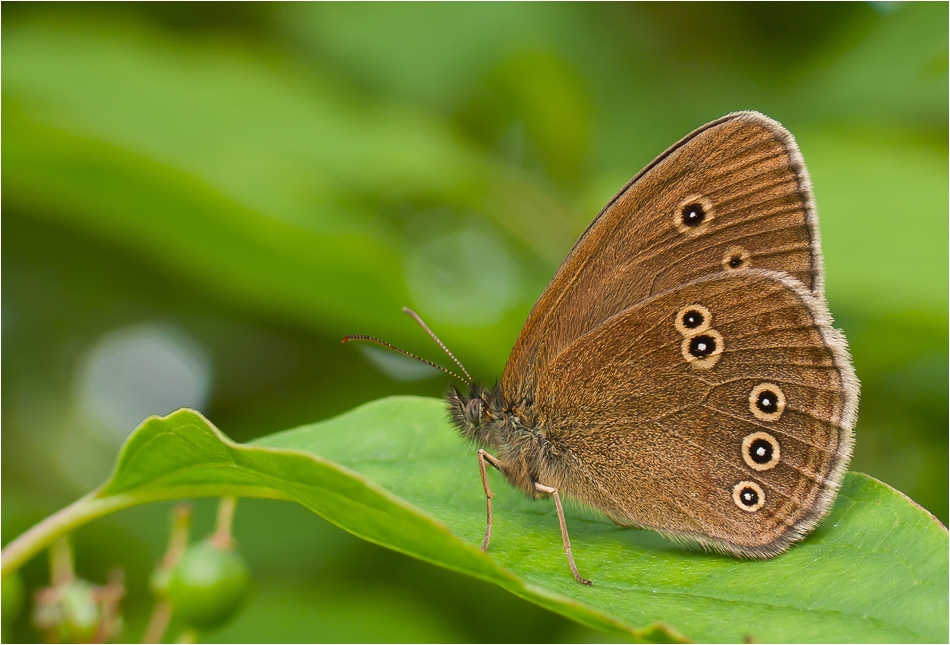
<point>761,451</point>
<point>702,345</point>
<point>702,348</point>
<point>736,258</point>
<point>748,496</point>
<point>693,214</point>
<point>767,402</point>
<point>692,319</point>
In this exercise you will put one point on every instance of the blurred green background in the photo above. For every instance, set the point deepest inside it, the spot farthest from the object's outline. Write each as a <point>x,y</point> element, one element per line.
<point>199,200</point>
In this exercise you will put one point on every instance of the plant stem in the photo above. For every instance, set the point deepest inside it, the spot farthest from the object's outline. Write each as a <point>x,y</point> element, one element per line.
<point>85,509</point>
<point>61,572</point>
<point>222,533</point>
<point>177,543</point>
<point>158,623</point>
<point>109,598</point>
<point>178,536</point>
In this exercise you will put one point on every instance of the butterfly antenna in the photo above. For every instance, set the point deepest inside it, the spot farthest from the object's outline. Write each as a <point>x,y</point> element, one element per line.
<point>373,339</point>
<point>415,316</point>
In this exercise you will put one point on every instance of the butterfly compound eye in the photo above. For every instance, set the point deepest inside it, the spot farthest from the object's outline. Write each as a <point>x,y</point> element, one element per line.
<point>748,496</point>
<point>473,411</point>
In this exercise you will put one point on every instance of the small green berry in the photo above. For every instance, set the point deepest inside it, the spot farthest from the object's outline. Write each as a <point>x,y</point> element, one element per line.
<point>68,614</point>
<point>208,585</point>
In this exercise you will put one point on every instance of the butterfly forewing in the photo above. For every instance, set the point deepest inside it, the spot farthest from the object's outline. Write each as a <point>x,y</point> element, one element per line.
<point>731,196</point>
<point>720,410</point>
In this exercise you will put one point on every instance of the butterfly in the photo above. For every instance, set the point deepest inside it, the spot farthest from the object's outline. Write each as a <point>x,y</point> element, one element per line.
<point>680,372</point>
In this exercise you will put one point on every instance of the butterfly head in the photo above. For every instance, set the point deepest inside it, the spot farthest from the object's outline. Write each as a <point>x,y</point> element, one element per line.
<point>472,413</point>
<point>469,412</point>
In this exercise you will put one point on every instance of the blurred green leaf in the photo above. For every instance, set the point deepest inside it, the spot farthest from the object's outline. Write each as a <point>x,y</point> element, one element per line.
<point>875,570</point>
<point>880,198</point>
<point>893,74</point>
<point>275,186</point>
<point>336,612</point>
<point>13,594</point>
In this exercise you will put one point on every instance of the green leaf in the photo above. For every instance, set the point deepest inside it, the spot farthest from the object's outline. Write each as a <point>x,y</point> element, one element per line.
<point>256,178</point>
<point>395,473</point>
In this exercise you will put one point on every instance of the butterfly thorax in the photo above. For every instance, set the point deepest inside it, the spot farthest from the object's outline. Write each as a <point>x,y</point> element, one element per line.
<point>506,428</point>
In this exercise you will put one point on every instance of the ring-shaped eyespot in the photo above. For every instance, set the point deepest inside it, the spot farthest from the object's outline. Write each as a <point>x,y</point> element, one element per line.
<point>761,451</point>
<point>767,402</point>
<point>703,350</point>
<point>748,496</point>
<point>693,214</point>
<point>736,258</point>
<point>692,319</point>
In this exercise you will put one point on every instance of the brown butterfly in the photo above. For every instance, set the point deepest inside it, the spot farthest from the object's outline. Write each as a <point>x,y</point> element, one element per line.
<point>680,372</point>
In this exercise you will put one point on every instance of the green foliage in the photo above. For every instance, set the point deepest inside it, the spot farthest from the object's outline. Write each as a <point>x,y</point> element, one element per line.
<point>393,472</point>
<point>12,597</point>
<point>212,215</point>
<point>259,180</point>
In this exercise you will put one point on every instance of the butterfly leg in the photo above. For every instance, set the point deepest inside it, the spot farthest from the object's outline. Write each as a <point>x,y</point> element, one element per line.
<point>541,488</point>
<point>482,458</point>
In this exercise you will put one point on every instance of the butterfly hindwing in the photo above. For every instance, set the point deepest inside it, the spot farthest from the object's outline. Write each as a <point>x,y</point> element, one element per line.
<point>685,411</point>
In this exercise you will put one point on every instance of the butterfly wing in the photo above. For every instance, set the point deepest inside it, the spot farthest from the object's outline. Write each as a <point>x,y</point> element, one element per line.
<point>742,187</point>
<point>721,410</point>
